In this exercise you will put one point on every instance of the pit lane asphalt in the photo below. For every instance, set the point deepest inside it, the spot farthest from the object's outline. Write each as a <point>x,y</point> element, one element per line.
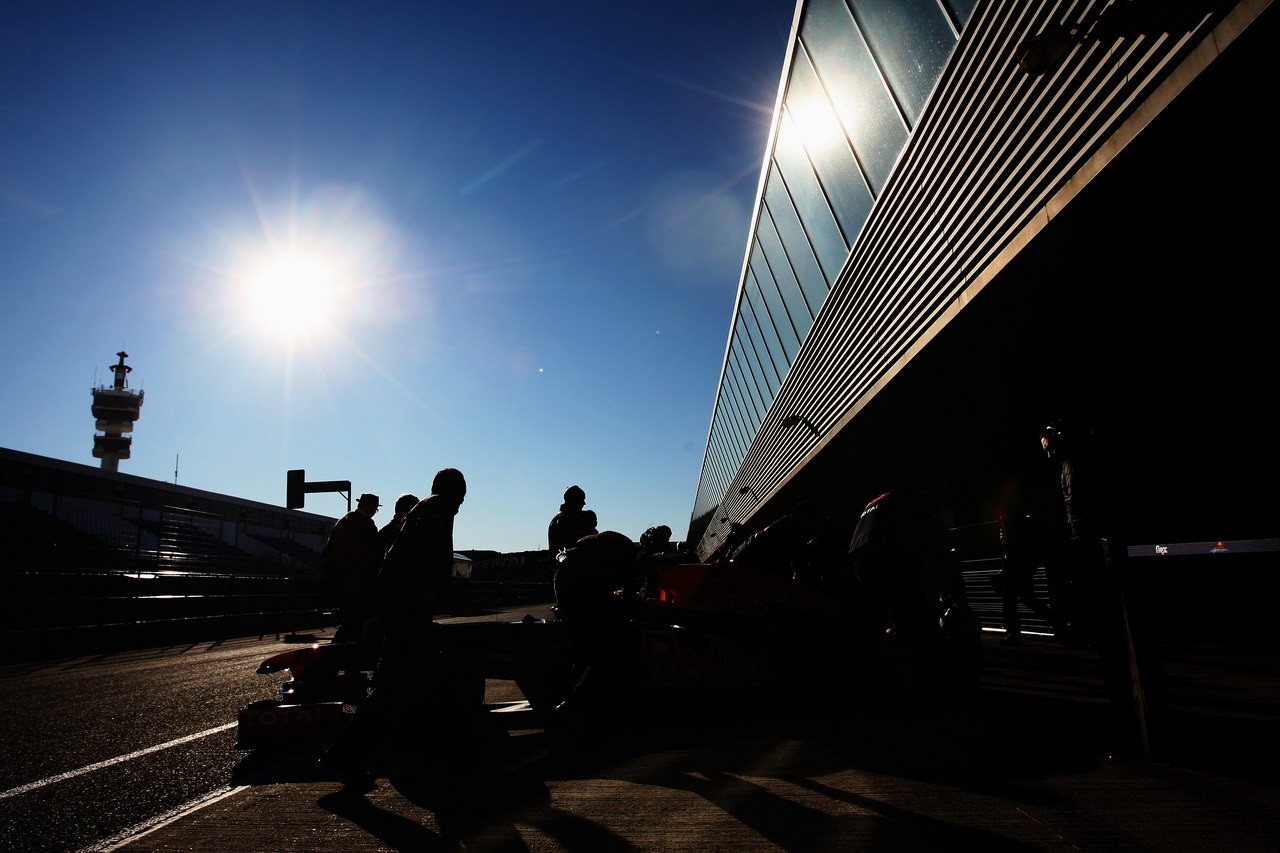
<point>1023,767</point>
<point>61,716</point>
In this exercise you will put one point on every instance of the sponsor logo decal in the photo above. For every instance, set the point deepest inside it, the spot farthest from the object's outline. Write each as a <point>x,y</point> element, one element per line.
<point>723,664</point>
<point>301,718</point>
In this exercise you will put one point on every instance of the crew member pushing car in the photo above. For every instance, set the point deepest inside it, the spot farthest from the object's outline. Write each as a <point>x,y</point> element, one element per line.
<point>415,681</point>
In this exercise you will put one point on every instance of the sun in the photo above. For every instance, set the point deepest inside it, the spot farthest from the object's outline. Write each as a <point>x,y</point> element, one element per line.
<point>300,274</point>
<point>295,294</point>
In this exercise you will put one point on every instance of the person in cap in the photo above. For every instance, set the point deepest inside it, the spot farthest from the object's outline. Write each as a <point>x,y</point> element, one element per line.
<point>348,566</point>
<point>571,523</point>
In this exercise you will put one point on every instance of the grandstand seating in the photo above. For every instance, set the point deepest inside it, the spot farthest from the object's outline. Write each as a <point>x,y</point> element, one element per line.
<point>299,552</point>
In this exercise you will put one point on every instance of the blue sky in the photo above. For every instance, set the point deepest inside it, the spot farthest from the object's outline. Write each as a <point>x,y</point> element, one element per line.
<point>376,239</point>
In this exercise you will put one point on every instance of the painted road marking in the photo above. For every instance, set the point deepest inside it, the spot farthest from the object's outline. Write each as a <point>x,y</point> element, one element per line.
<point>146,827</point>
<point>89,768</point>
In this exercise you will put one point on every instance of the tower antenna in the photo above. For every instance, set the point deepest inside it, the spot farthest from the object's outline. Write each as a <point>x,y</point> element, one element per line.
<point>115,409</point>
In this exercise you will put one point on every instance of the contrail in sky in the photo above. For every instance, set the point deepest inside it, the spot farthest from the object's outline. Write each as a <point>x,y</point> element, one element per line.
<point>502,167</point>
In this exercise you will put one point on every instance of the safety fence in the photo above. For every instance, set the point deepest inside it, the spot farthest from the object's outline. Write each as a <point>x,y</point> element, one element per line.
<point>51,612</point>
<point>82,590</point>
<point>1221,591</point>
<point>983,592</point>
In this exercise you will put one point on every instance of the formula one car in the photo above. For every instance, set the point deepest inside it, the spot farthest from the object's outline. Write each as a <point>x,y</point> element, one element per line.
<point>709,642</point>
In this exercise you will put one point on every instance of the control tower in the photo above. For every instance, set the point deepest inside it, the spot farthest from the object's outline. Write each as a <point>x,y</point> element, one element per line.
<point>116,408</point>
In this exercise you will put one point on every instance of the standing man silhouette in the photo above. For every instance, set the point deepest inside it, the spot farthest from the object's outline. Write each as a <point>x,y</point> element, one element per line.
<point>1114,604</point>
<point>418,686</point>
<point>571,523</point>
<point>349,564</point>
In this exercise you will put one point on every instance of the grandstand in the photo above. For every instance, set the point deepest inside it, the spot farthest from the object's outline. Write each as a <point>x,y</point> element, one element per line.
<point>89,549</point>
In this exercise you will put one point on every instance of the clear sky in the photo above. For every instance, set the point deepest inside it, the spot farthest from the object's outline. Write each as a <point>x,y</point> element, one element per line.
<point>374,239</point>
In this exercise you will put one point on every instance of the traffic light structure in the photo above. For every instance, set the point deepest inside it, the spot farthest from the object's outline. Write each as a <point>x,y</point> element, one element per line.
<point>297,488</point>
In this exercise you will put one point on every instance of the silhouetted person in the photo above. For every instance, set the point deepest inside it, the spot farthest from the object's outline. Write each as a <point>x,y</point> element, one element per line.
<point>901,555</point>
<point>655,540</point>
<point>1083,519</point>
<point>1018,565</point>
<point>414,582</point>
<point>571,523</point>
<point>736,535</point>
<point>787,546</point>
<point>910,594</point>
<point>595,584</point>
<point>590,572</point>
<point>349,564</point>
<point>654,544</point>
<point>1112,606</point>
<point>387,535</point>
<point>418,688</point>
<point>374,628</point>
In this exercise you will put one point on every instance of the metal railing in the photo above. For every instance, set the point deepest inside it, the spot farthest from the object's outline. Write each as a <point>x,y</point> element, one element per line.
<point>73,610</point>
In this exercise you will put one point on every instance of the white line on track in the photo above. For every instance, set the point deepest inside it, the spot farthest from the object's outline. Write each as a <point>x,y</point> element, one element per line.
<point>133,833</point>
<point>89,768</point>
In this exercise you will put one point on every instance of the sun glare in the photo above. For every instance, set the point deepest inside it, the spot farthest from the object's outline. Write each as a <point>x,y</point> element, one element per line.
<point>308,276</point>
<point>812,124</point>
<point>295,294</point>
